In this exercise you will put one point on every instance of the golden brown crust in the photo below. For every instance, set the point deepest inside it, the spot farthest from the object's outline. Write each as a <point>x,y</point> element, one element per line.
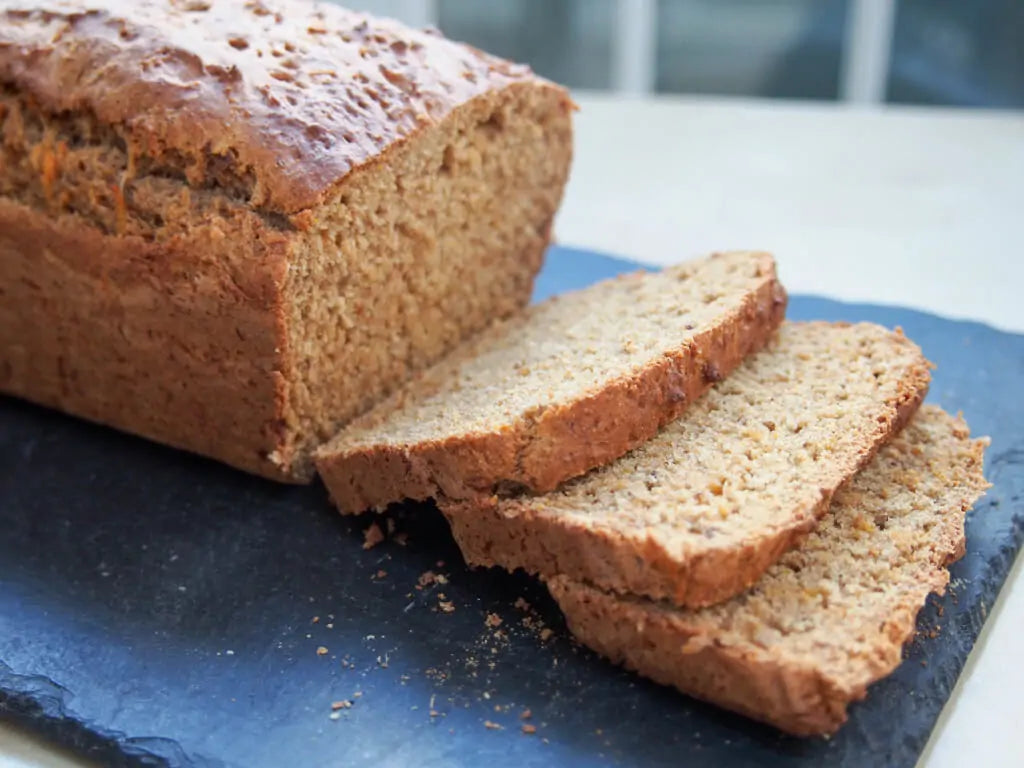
<point>118,330</point>
<point>512,534</point>
<point>804,688</point>
<point>152,147</point>
<point>744,679</point>
<point>558,443</point>
<point>277,101</point>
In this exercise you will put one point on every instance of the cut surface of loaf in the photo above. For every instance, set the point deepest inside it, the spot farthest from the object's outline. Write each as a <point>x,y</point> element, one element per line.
<point>829,618</point>
<point>701,510</point>
<point>233,226</point>
<point>570,384</point>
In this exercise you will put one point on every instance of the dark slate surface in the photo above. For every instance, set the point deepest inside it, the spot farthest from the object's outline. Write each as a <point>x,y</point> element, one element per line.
<point>156,608</point>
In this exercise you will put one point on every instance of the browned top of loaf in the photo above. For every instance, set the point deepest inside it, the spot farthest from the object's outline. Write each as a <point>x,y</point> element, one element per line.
<point>278,100</point>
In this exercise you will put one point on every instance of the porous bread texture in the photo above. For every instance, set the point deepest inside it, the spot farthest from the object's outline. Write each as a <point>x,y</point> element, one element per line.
<point>697,513</point>
<point>420,252</point>
<point>829,618</point>
<point>155,288</point>
<point>568,385</point>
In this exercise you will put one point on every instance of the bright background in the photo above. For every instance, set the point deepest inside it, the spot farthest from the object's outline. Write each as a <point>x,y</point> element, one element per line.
<point>947,52</point>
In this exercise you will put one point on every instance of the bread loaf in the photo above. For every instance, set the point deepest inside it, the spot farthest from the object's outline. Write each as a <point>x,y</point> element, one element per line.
<point>569,385</point>
<point>696,514</point>
<point>233,226</point>
<point>829,618</point>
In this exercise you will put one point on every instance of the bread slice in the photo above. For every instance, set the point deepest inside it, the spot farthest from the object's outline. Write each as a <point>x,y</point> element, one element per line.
<point>699,512</point>
<point>569,385</point>
<point>829,618</point>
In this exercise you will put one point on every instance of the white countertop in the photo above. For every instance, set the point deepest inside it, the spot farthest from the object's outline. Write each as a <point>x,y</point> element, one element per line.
<point>916,207</point>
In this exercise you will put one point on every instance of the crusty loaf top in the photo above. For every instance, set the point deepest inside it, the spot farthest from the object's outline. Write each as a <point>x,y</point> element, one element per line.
<point>282,98</point>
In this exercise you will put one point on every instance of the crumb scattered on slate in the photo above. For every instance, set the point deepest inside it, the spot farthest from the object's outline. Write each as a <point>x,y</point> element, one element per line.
<point>321,651</point>
<point>493,726</point>
<point>525,714</point>
<point>372,536</point>
<point>343,704</point>
<point>527,728</point>
<point>381,573</point>
<point>493,620</point>
<point>446,606</point>
<point>315,620</point>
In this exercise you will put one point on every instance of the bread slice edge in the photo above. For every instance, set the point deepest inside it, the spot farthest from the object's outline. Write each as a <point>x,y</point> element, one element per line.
<point>550,445</point>
<point>796,694</point>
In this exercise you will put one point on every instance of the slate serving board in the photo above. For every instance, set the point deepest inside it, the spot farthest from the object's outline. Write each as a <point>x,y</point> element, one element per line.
<point>158,609</point>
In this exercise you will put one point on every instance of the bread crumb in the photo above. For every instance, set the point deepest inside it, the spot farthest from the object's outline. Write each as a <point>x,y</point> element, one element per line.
<point>381,573</point>
<point>527,728</point>
<point>372,536</point>
<point>521,604</point>
<point>525,714</point>
<point>321,651</point>
<point>446,606</point>
<point>493,620</point>
<point>335,715</point>
<point>401,538</point>
<point>343,704</point>
<point>545,634</point>
<point>316,620</point>
<point>493,726</point>
<point>426,579</point>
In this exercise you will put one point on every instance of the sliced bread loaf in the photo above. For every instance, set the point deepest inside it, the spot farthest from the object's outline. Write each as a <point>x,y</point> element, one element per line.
<point>829,618</point>
<point>700,511</point>
<point>569,385</point>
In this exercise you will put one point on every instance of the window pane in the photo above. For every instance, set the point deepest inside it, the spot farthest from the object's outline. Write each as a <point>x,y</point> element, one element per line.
<point>958,53</point>
<point>779,48</point>
<point>568,41</point>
